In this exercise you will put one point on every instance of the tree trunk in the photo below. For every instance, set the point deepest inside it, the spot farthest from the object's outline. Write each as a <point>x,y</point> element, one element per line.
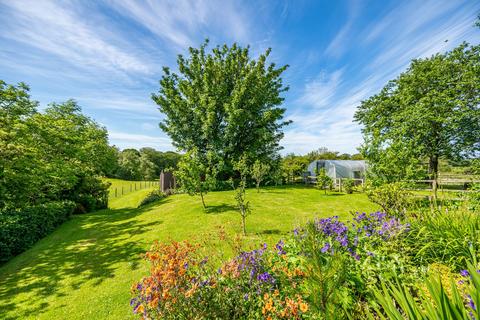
<point>243,223</point>
<point>258,186</point>
<point>203,201</point>
<point>433,170</point>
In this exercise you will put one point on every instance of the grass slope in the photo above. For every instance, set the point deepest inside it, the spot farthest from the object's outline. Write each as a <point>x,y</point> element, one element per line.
<point>84,269</point>
<point>126,186</point>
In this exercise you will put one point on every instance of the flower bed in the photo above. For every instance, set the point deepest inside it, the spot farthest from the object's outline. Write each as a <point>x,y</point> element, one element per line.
<point>328,268</point>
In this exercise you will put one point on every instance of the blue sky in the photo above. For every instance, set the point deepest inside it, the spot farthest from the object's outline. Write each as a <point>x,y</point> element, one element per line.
<point>108,55</point>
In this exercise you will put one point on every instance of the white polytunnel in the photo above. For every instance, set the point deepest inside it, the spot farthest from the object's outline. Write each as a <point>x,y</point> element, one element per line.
<point>339,169</point>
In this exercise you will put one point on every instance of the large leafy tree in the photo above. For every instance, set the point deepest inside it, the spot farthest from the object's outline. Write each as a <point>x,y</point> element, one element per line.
<point>430,111</point>
<point>224,102</point>
<point>51,155</point>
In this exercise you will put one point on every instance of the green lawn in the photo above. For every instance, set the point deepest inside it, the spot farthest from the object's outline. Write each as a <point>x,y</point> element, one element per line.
<point>84,270</point>
<point>120,187</point>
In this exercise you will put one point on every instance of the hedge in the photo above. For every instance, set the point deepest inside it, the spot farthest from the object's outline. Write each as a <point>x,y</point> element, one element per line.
<point>20,229</point>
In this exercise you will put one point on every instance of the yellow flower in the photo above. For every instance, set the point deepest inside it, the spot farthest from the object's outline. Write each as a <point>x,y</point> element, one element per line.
<point>303,307</point>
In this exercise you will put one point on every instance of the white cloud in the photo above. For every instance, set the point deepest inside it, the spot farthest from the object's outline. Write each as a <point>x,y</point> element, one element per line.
<point>59,30</point>
<point>339,43</point>
<point>181,22</point>
<point>328,104</point>
<point>125,140</point>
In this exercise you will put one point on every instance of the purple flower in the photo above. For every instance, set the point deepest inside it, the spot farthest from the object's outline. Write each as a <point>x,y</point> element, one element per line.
<point>471,304</point>
<point>245,297</point>
<point>464,273</point>
<point>185,265</point>
<point>370,254</point>
<point>325,248</point>
<point>279,247</point>
<point>295,232</point>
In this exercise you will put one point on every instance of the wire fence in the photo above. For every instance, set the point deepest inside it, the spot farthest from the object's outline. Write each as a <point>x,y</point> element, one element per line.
<point>127,188</point>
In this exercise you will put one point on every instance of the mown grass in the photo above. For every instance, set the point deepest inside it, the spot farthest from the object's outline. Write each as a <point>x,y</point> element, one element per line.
<point>120,187</point>
<point>84,270</point>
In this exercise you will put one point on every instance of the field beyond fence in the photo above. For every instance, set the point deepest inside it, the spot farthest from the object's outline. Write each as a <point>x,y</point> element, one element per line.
<point>119,188</point>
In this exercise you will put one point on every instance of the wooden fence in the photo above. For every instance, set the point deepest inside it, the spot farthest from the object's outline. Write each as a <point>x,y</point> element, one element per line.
<point>134,186</point>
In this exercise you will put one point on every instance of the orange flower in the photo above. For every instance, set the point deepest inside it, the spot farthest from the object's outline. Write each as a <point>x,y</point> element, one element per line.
<point>303,307</point>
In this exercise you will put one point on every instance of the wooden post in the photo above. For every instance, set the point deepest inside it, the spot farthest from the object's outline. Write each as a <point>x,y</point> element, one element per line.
<point>115,192</point>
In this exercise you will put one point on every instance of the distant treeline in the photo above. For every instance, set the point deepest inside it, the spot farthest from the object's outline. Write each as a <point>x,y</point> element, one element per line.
<point>143,164</point>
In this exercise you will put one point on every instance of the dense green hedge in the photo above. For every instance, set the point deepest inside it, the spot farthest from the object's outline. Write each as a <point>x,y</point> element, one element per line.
<point>20,229</point>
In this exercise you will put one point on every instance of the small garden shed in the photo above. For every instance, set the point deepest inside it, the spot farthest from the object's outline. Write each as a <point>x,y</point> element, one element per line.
<point>339,169</point>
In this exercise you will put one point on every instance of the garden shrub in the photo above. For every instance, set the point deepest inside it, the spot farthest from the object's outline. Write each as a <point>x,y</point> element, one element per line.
<point>328,269</point>
<point>445,237</point>
<point>184,285</point>
<point>397,301</point>
<point>345,260</point>
<point>473,197</point>
<point>90,194</point>
<point>20,229</point>
<point>153,196</point>
<point>348,185</point>
<point>391,197</point>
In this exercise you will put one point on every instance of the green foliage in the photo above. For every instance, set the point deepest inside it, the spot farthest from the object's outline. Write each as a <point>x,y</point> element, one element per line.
<point>47,156</point>
<point>144,164</point>
<point>225,103</point>
<point>20,229</point>
<point>344,261</point>
<point>473,198</point>
<point>391,197</point>
<point>293,166</point>
<point>197,175</point>
<point>259,172</point>
<point>323,180</point>
<point>243,170</point>
<point>348,185</point>
<point>447,237</point>
<point>398,302</point>
<point>153,196</point>
<point>429,112</point>
<point>325,154</point>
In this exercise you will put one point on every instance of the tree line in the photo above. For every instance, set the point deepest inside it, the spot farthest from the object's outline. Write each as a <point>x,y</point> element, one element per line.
<point>142,164</point>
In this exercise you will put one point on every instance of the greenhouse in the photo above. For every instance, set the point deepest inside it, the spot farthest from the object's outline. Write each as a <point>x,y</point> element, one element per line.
<point>339,169</point>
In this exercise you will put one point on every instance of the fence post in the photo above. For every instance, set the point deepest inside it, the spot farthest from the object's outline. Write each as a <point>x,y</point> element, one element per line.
<point>122,190</point>
<point>115,192</point>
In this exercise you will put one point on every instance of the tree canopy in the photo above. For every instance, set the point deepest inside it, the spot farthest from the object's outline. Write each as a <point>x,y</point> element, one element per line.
<point>430,111</point>
<point>50,155</point>
<point>224,102</point>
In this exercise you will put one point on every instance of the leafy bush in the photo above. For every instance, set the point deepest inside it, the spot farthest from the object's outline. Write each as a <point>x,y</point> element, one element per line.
<point>446,237</point>
<point>397,301</point>
<point>391,197</point>
<point>153,196</point>
<point>183,285</point>
<point>344,260</point>
<point>323,180</point>
<point>473,197</point>
<point>90,194</point>
<point>20,229</point>
<point>349,185</point>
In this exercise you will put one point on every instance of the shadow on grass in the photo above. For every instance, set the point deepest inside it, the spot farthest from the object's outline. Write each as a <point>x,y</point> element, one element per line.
<point>86,248</point>
<point>271,231</point>
<point>216,209</point>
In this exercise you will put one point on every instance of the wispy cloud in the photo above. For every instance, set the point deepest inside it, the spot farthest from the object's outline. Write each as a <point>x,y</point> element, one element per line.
<point>326,106</point>
<point>58,29</point>
<point>125,140</point>
<point>181,22</point>
<point>339,44</point>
